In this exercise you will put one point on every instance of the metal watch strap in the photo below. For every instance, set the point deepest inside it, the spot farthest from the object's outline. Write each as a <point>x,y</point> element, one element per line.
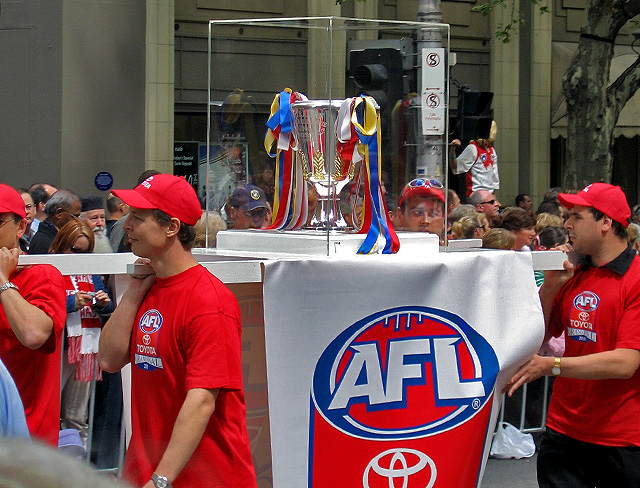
<point>160,481</point>
<point>8,285</point>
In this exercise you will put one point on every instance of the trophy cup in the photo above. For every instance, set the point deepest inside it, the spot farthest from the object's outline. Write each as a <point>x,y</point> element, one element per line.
<point>314,129</point>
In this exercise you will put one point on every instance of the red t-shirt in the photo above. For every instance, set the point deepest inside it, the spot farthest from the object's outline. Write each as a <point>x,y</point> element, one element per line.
<point>37,372</point>
<point>599,310</point>
<point>187,335</point>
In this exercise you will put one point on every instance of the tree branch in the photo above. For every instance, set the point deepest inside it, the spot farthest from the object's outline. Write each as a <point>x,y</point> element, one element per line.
<point>624,87</point>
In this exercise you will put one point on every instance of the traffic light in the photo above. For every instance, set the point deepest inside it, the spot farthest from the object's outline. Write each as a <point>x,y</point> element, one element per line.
<point>378,72</point>
<point>474,115</point>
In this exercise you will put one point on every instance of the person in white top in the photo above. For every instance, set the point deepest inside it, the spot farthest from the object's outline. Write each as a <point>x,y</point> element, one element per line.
<point>479,161</point>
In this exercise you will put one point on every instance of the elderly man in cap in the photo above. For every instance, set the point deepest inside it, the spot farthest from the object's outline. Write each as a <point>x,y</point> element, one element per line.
<point>180,329</point>
<point>421,207</point>
<point>593,424</point>
<point>93,215</point>
<point>248,207</point>
<point>32,317</point>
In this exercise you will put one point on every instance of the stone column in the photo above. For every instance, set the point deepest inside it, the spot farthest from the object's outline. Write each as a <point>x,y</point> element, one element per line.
<point>505,86</point>
<point>159,102</point>
<point>325,67</point>
<point>540,96</point>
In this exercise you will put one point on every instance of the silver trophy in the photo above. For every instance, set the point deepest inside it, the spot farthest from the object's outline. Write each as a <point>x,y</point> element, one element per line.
<point>314,129</point>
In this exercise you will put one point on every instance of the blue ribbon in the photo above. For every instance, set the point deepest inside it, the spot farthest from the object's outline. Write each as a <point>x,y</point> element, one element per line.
<point>378,220</point>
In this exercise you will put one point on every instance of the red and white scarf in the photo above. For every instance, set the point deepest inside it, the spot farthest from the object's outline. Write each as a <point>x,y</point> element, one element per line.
<point>83,330</point>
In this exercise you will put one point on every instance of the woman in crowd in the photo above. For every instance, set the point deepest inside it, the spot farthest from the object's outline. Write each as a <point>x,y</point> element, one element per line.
<point>520,224</point>
<point>468,227</point>
<point>86,299</point>
<point>498,239</point>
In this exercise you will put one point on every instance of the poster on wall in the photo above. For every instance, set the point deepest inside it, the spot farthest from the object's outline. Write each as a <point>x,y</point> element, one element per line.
<point>185,161</point>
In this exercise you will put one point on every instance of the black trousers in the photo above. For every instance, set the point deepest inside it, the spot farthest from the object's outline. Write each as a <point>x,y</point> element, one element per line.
<point>564,462</point>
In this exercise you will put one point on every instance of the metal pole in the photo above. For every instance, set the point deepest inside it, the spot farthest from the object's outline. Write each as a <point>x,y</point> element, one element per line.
<point>429,157</point>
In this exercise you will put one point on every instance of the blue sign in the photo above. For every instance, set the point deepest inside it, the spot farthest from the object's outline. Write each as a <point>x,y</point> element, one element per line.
<point>104,181</point>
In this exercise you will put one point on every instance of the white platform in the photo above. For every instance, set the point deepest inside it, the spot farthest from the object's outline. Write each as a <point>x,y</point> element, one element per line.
<point>313,243</point>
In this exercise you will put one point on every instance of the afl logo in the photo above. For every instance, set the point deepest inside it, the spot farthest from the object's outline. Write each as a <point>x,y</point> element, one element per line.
<point>426,364</point>
<point>587,301</point>
<point>151,321</point>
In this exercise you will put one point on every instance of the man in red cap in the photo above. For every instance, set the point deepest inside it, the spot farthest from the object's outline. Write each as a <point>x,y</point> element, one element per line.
<point>421,207</point>
<point>593,425</point>
<point>180,329</point>
<point>32,317</point>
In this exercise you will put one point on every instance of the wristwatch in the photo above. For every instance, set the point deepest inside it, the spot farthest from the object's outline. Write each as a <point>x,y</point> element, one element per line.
<point>556,367</point>
<point>160,481</point>
<point>8,285</point>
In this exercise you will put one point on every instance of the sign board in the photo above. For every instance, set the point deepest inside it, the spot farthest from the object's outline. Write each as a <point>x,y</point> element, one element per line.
<point>433,91</point>
<point>185,161</point>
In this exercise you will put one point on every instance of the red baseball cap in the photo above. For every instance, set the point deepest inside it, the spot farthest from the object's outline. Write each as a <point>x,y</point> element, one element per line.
<point>606,198</point>
<point>422,188</point>
<point>11,201</point>
<point>171,194</point>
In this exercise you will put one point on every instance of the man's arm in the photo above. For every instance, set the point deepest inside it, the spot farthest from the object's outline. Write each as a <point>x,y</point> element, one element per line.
<point>188,429</point>
<point>31,325</point>
<point>553,282</point>
<point>617,364</point>
<point>115,340</point>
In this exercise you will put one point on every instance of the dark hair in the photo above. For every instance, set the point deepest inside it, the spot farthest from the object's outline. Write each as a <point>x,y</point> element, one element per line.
<point>520,199</point>
<point>186,234</point>
<point>551,236</point>
<point>550,207</point>
<point>146,174</point>
<point>39,195</point>
<point>513,219</point>
<point>618,228</point>
<point>113,202</point>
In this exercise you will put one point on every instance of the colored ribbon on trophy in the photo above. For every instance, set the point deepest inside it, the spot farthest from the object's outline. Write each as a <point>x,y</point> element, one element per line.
<point>377,226</point>
<point>290,198</point>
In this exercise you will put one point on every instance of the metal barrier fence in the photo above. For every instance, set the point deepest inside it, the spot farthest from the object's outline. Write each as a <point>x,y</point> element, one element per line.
<point>542,404</point>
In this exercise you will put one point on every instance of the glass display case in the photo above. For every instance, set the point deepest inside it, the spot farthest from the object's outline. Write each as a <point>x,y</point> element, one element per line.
<point>327,121</point>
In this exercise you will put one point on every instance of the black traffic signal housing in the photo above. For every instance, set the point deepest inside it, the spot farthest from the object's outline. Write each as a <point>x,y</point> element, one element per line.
<point>378,72</point>
<point>474,115</point>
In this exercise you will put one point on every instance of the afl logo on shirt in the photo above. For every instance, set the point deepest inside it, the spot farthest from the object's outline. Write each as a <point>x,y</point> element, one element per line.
<point>146,347</point>
<point>151,322</point>
<point>587,301</point>
<point>582,319</point>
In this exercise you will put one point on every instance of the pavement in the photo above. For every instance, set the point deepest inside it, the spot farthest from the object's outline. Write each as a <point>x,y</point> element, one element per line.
<point>510,473</point>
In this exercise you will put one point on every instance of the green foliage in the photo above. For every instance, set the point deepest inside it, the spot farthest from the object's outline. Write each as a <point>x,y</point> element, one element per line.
<point>505,30</point>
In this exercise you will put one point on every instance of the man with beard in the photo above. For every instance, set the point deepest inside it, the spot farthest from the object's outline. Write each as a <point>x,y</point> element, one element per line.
<point>94,216</point>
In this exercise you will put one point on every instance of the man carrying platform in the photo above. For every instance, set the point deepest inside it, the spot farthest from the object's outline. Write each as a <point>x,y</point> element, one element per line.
<point>180,329</point>
<point>32,317</point>
<point>593,425</point>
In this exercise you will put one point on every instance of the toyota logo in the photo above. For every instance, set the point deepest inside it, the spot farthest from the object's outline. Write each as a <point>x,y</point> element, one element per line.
<point>584,316</point>
<point>398,467</point>
<point>146,339</point>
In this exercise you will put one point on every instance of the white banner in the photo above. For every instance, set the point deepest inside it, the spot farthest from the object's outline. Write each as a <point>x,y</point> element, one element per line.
<point>383,367</point>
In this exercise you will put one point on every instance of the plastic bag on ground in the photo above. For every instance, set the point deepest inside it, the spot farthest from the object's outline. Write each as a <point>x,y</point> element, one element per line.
<point>510,443</point>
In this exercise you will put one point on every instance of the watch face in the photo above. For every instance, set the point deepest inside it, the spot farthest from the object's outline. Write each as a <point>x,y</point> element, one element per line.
<point>555,370</point>
<point>161,482</point>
